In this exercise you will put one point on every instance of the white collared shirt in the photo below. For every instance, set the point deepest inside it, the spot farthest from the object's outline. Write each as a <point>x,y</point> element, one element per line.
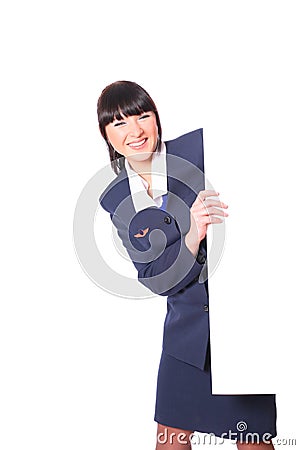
<point>139,187</point>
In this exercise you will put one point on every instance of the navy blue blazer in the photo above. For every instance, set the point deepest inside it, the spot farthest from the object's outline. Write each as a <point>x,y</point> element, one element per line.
<point>154,240</point>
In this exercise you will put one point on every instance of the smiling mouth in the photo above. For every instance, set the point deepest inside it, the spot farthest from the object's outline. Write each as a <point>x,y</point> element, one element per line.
<point>138,144</point>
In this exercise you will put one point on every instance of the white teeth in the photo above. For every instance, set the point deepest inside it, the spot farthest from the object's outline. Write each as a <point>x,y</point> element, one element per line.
<point>138,144</point>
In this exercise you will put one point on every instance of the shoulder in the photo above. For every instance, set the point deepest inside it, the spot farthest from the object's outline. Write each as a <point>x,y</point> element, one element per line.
<point>193,137</point>
<point>189,146</point>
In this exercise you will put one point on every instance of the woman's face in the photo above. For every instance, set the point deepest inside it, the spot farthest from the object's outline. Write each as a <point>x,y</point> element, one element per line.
<point>134,137</point>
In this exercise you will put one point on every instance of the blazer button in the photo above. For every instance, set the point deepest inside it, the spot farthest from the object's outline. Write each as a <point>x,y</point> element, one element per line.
<point>205,307</point>
<point>201,258</point>
<point>167,219</point>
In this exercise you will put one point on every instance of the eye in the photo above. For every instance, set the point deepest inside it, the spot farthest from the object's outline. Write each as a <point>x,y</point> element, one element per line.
<point>144,116</point>
<point>117,124</point>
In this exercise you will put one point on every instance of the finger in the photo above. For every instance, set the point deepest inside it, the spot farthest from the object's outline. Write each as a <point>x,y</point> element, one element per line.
<point>206,220</point>
<point>215,220</point>
<point>216,211</point>
<point>210,219</point>
<point>215,203</point>
<point>207,193</point>
<point>202,207</point>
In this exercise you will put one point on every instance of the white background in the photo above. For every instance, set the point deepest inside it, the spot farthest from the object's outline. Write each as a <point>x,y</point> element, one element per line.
<point>79,365</point>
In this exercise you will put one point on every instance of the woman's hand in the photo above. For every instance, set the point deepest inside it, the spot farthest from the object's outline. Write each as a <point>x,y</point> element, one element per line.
<point>203,212</point>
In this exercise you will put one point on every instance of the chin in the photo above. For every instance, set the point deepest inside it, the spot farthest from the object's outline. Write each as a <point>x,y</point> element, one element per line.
<point>141,156</point>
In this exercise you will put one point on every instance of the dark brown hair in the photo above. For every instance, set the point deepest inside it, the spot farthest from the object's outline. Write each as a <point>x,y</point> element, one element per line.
<point>130,99</point>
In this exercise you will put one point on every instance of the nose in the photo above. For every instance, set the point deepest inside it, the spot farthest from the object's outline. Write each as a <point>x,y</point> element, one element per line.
<point>135,128</point>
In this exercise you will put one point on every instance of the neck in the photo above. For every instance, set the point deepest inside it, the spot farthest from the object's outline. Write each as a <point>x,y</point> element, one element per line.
<point>143,168</point>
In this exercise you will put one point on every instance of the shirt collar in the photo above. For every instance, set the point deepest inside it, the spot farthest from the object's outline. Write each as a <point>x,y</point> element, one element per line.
<point>138,186</point>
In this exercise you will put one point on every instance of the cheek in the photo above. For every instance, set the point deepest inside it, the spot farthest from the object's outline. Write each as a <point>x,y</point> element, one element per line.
<point>113,136</point>
<point>154,130</point>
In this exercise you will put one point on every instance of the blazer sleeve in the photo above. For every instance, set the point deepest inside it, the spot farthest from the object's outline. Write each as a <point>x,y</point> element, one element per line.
<point>164,263</point>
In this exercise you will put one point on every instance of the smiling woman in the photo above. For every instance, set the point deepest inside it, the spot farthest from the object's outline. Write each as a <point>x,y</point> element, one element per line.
<point>180,211</point>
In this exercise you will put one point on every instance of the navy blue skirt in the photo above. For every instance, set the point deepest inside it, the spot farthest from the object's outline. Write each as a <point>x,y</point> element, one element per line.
<point>184,400</point>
